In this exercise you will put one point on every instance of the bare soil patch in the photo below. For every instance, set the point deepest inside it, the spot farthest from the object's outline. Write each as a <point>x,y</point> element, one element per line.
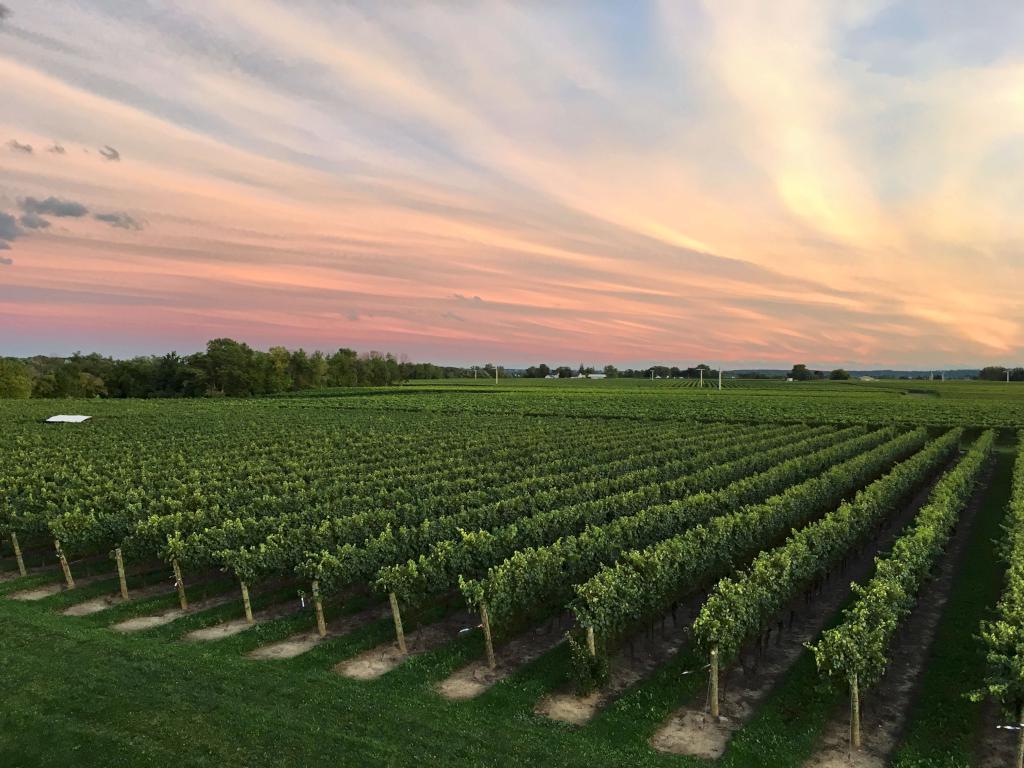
<point>884,709</point>
<point>141,623</point>
<point>98,604</point>
<point>14,575</point>
<point>47,590</point>
<point>475,678</point>
<point>237,626</point>
<point>380,660</point>
<point>636,661</point>
<point>998,747</point>
<point>298,644</point>
<point>691,731</point>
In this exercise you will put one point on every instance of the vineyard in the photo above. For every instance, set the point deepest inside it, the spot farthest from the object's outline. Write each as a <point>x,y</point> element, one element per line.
<point>543,573</point>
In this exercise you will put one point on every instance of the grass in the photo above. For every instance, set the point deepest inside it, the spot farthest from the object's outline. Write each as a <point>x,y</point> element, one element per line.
<point>944,726</point>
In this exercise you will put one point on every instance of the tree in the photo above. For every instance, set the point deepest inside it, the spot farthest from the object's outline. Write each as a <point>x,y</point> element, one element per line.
<point>276,366</point>
<point>839,375</point>
<point>993,373</point>
<point>611,371</point>
<point>342,368</point>
<point>800,373</point>
<point>564,372</point>
<point>230,367</point>
<point>15,379</point>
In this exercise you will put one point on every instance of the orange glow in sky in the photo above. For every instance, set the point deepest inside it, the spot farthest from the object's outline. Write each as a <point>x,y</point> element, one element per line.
<point>745,182</point>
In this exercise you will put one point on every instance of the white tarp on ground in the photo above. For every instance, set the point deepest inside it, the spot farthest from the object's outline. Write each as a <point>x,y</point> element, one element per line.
<point>68,419</point>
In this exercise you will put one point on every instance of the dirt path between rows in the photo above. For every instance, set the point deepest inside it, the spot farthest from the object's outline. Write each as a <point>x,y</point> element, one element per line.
<point>14,575</point>
<point>998,747</point>
<point>298,644</point>
<point>48,590</point>
<point>141,623</point>
<point>378,661</point>
<point>691,731</point>
<point>884,710</point>
<point>237,626</point>
<point>98,604</point>
<point>476,677</point>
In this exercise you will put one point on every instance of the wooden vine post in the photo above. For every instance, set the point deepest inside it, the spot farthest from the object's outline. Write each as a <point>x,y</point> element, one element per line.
<point>180,584</point>
<point>714,682</point>
<point>245,602</point>
<point>854,713</point>
<point>119,559</point>
<point>591,642</point>
<point>318,607</point>
<point>397,616</point>
<point>488,640</point>
<point>17,554</point>
<point>64,565</point>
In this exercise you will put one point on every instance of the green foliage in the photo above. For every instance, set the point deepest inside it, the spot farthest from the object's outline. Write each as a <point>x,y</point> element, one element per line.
<point>1003,636</point>
<point>536,579</point>
<point>741,606</point>
<point>587,672</point>
<point>859,645</point>
<point>15,379</point>
<point>644,583</point>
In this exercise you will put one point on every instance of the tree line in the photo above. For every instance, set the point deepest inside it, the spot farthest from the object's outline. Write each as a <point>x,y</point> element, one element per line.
<point>226,368</point>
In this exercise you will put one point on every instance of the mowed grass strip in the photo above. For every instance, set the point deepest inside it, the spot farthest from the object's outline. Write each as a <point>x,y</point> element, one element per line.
<point>78,693</point>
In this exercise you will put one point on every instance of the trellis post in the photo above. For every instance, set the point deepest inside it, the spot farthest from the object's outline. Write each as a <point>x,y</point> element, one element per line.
<point>854,713</point>
<point>119,559</point>
<point>64,565</point>
<point>714,682</point>
<point>397,616</point>
<point>179,582</point>
<point>17,554</point>
<point>246,603</point>
<point>318,607</point>
<point>488,641</point>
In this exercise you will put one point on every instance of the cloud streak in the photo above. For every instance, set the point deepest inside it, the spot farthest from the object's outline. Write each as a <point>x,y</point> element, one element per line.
<point>119,220</point>
<point>53,206</point>
<point>677,181</point>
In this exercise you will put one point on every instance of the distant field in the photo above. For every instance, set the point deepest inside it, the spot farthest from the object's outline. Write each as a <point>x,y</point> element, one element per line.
<point>537,573</point>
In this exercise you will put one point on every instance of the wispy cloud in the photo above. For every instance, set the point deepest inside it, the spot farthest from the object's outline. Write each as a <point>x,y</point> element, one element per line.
<point>629,182</point>
<point>9,231</point>
<point>53,206</point>
<point>17,146</point>
<point>119,220</point>
<point>33,221</point>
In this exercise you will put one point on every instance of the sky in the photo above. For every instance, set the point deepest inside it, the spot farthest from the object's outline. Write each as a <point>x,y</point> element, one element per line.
<point>625,182</point>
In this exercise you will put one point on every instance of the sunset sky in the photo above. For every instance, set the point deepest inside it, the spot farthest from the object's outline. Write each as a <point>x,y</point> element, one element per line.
<point>748,182</point>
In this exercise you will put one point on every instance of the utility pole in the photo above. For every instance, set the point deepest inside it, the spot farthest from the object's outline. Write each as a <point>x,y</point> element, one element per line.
<point>719,377</point>
<point>495,374</point>
<point>702,378</point>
